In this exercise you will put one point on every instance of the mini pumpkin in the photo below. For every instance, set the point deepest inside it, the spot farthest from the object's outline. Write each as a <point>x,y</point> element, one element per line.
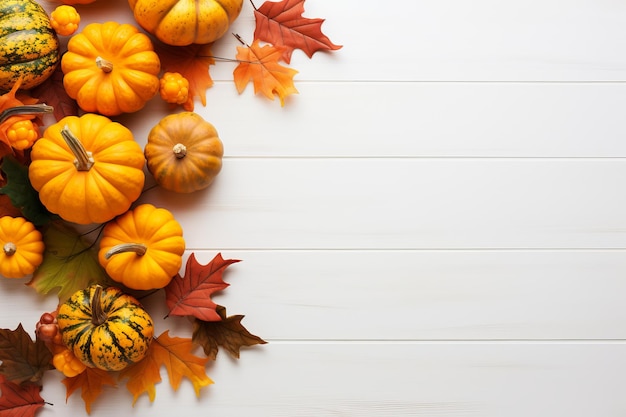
<point>110,68</point>
<point>182,22</point>
<point>22,247</point>
<point>142,248</point>
<point>29,47</point>
<point>105,328</point>
<point>87,169</point>
<point>184,152</point>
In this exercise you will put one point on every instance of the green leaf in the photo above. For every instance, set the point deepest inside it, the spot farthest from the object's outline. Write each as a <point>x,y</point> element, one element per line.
<point>21,193</point>
<point>70,263</point>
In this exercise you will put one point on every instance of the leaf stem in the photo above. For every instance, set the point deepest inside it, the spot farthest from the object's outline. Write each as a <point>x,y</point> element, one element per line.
<point>240,39</point>
<point>252,3</point>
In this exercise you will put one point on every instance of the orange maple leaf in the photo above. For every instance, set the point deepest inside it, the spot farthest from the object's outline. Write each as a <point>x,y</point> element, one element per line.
<point>175,353</point>
<point>281,24</point>
<point>91,382</point>
<point>260,64</point>
<point>192,62</point>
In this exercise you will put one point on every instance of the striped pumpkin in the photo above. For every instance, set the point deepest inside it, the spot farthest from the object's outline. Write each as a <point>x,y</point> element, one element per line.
<point>29,47</point>
<point>105,328</point>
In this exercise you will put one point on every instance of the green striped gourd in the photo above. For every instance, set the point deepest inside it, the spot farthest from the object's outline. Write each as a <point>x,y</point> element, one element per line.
<point>29,47</point>
<point>105,328</point>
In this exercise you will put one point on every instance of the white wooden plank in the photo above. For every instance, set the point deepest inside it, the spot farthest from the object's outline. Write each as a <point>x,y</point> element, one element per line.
<point>380,379</point>
<point>415,119</point>
<point>435,40</point>
<point>405,295</point>
<point>425,295</point>
<point>405,204</point>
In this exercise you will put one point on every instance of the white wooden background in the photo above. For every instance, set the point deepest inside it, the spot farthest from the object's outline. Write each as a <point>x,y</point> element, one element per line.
<point>435,225</point>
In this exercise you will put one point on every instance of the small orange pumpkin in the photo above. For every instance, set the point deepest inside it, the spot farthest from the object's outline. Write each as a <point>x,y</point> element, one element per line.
<point>111,68</point>
<point>142,248</point>
<point>22,247</point>
<point>184,152</point>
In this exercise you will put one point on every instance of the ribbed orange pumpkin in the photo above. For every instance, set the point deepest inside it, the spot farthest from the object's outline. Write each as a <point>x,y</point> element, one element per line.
<point>184,153</point>
<point>87,169</point>
<point>142,248</point>
<point>183,22</point>
<point>110,68</point>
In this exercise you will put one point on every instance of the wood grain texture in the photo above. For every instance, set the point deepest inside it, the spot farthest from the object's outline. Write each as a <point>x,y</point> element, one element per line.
<point>434,226</point>
<point>371,203</point>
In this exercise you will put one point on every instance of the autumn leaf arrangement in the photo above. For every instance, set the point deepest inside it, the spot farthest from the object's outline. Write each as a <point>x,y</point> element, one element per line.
<point>100,335</point>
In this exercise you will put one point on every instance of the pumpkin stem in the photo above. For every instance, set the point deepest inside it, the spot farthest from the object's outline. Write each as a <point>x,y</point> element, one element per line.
<point>9,248</point>
<point>84,159</point>
<point>98,316</point>
<point>139,248</point>
<point>104,65</point>
<point>179,150</point>
<point>25,109</point>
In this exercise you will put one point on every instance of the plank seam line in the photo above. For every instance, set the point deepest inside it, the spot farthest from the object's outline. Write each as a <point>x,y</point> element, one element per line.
<point>449,341</point>
<point>420,157</point>
<point>248,249</point>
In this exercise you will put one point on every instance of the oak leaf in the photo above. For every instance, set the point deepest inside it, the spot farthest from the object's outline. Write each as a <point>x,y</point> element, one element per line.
<point>228,333</point>
<point>259,64</point>
<point>22,358</point>
<point>70,263</point>
<point>19,400</point>
<point>192,62</point>
<point>281,24</point>
<point>190,295</point>
<point>91,383</point>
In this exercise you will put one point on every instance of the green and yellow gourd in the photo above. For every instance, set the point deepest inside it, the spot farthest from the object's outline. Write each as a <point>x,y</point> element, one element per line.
<point>29,47</point>
<point>105,328</point>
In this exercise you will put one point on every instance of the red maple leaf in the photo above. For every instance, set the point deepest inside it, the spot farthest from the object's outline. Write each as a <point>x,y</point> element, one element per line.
<point>281,24</point>
<point>191,295</point>
<point>19,400</point>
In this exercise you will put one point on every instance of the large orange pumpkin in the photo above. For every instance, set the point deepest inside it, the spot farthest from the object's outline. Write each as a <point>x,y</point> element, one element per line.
<point>111,68</point>
<point>183,22</point>
<point>87,169</point>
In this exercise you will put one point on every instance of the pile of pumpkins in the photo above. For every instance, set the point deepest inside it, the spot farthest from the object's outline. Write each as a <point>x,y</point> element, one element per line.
<point>89,169</point>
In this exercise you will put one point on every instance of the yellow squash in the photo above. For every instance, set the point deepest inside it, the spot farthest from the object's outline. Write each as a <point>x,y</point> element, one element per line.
<point>105,328</point>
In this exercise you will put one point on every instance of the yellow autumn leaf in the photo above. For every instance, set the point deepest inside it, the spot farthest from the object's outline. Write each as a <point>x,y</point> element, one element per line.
<point>175,353</point>
<point>91,382</point>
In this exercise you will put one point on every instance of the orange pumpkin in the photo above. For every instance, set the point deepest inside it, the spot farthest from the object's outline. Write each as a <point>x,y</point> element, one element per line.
<point>184,152</point>
<point>87,169</point>
<point>111,68</point>
<point>183,22</point>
